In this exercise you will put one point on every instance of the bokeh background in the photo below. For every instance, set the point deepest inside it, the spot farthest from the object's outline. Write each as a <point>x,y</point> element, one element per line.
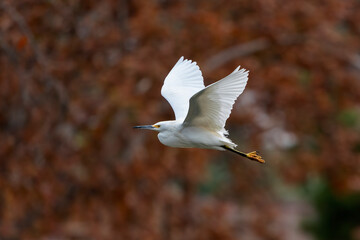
<point>75,76</point>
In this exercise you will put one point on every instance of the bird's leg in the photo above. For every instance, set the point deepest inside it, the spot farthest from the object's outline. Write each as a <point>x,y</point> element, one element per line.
<point>254,156</point>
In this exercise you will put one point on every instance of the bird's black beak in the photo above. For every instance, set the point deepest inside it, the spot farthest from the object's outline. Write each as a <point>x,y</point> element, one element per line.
<point>150,127</point>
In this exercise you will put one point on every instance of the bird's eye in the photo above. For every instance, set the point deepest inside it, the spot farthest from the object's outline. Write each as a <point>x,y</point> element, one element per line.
<point>156,126</point>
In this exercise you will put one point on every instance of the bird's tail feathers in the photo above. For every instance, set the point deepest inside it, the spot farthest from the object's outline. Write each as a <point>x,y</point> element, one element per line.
<point>224,132</point>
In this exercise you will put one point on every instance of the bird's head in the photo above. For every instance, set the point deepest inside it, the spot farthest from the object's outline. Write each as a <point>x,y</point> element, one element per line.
<point>159,126</point>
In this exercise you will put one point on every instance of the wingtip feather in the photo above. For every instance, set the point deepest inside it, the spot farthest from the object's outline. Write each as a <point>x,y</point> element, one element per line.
<point>236,69</point>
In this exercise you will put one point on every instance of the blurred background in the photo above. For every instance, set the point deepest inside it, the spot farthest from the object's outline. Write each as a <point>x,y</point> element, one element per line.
<point>75,76</point>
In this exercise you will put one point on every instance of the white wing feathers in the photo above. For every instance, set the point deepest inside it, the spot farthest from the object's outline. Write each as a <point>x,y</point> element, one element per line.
<point>211,107</point>
<point>182,82</point>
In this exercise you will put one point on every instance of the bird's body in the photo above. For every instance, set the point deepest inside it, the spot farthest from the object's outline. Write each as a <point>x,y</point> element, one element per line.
<point>201,112</point>
<point>180,136</point>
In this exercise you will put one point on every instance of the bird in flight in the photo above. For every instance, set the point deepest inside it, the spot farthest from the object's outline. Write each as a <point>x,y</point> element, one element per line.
<point>200,112</point>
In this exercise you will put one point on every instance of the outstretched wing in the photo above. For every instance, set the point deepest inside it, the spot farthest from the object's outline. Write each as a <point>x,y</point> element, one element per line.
<point>211,107</point>
<point>182,82</point>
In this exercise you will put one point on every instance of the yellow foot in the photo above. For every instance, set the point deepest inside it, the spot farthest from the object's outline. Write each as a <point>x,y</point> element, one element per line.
<point>255,157</point>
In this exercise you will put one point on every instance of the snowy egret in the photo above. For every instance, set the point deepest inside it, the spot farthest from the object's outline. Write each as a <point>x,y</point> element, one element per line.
<point>200,112</point>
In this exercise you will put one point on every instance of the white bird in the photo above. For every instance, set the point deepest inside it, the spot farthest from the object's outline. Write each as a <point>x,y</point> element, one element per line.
<point>200,112</point>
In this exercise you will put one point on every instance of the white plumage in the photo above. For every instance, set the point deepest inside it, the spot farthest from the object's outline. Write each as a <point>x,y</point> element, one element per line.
<point>182,82</point>
<point>201,112</point>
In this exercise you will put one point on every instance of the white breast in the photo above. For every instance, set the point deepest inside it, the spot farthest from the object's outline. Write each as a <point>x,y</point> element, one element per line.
<point>192,137</point>
<point>173,140</point>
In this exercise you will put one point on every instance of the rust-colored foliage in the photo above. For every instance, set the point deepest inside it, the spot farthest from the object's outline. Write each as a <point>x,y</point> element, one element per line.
<point>75,76</point>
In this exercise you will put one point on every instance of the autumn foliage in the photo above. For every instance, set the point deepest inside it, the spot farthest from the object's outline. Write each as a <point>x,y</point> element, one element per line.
<point>75,76</point>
